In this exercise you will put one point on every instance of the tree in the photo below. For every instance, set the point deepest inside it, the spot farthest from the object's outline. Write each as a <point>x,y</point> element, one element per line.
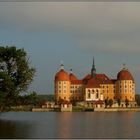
<point>137,99</point>
<point>31,98</point>
<point>119,102</point>
<point>106,102</point>
<point>126,102</point>
<point>1,100</point>
<point>110,102</point>
<point>15,73</point>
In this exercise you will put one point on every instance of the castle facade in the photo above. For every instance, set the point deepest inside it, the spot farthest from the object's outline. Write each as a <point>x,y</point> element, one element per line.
<point>94,86</point>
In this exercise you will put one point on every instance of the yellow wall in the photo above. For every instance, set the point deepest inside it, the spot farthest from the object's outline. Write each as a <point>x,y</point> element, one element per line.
<point>125,89</point>
<point>62,90</point>
<point>121,89</point>
<point>108,91</point>
<point>77,92</point>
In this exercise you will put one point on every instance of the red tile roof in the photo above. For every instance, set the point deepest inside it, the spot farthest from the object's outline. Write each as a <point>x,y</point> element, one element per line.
<point>104,79</point>
<point>87,77</point>
<point>72,77</point>
<point>93,83</point>
<point>125,75</point>
<point>99,102</point>
<point>102,76</point>
<point>65,102</point>
<point>77,82</point>
<point>114,80</point>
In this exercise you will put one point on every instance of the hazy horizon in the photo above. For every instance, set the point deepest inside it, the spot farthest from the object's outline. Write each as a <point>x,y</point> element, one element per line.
<point>73,32</point>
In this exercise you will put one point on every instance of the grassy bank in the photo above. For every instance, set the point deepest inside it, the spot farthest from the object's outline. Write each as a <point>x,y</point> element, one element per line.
<point>81,109</point>
<point>25,108</point>
<point>77,109</point>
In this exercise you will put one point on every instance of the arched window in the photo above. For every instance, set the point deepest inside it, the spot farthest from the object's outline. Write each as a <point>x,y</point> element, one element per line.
<point>88,95</point>
<point>97,95</point>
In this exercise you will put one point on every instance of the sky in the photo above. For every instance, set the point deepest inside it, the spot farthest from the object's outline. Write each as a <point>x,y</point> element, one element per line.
<point>73,32</point>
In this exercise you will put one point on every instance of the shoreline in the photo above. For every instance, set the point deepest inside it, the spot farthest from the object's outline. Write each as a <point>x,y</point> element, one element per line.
<point>74,109</point>
<point>118,110</point>
<point>94,110</point>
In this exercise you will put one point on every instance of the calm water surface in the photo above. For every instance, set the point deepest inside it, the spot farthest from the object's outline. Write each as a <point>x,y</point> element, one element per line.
<point>70,125</point>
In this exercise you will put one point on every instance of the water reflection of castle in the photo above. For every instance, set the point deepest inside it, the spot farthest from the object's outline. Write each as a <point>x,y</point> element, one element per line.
<point>94,86</point>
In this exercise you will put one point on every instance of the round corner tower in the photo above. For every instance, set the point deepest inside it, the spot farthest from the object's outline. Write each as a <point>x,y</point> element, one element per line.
<point>62,85</point>
<point>125,85</point>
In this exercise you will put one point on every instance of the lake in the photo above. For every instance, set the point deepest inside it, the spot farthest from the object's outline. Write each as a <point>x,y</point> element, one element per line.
<point>70,125</point>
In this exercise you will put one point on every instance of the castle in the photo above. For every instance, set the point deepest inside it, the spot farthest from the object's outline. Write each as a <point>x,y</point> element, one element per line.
<point>94,86</point>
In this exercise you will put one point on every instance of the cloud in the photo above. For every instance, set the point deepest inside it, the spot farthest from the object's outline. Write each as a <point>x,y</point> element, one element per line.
<point>108,27</point>
<point>91,16</point>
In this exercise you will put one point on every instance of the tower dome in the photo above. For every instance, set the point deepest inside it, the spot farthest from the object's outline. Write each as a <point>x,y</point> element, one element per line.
<point>72,76</point>
<point>62,75</point>
<point>124,74</point>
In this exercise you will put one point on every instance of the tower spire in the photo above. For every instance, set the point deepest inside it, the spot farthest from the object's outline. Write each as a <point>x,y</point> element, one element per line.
<point>93,70</point>
<point>71,71</point>
<point>124,67</point>
<point>62,65</point>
